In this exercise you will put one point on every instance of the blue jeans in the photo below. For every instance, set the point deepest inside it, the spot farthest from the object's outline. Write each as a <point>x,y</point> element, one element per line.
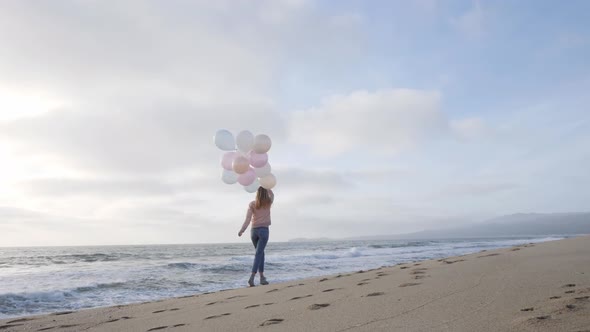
<point>259,237</point>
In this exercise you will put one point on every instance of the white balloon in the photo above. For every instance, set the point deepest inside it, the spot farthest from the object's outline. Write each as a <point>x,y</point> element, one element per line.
<point>268,181</point>
<point>244,141</point>
<point>253,187</point>
<point>262,144</point>
<point>225,140</point>
<point>241,164</point>
<point>229,177</point>
<point>263,171</point>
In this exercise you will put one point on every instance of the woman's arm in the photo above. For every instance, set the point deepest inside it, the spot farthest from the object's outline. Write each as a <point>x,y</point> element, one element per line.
<point>247,221</point>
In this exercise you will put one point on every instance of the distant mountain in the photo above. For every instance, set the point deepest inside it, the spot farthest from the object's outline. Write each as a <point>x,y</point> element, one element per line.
<point>520,224</point>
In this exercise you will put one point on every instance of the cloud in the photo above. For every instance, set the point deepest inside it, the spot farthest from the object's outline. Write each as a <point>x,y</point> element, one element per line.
<point>171,136</point>
<point>470,128</point>
<point>310,179</point>
<point>32,221</point>
<point>142,87</point>
<point>108,111</point>
<point>108,188</point>
<point>227,50</point>
<point>11,214</point>
<point>471,23</point>
<point>477,189</point>
<point>386,120</point>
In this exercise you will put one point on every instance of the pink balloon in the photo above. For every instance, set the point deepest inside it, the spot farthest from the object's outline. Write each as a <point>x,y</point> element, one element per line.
<point>240,164</point>
<point>258,159</point>
<point>247,178</point>
<point>227,160</point>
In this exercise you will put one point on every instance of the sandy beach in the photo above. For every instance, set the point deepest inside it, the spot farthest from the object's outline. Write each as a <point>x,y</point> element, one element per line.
<point>540,287</point>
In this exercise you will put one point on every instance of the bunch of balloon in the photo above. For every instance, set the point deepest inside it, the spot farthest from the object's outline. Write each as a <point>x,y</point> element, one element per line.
<point>245,160</point>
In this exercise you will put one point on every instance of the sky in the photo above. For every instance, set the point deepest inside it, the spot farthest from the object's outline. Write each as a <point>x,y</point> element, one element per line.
<point>386,117</point>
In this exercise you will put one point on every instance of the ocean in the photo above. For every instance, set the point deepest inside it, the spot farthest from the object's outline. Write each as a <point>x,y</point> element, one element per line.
<point>40,280</point>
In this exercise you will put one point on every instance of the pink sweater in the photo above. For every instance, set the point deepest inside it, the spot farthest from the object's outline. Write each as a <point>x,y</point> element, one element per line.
<point>258,217</point>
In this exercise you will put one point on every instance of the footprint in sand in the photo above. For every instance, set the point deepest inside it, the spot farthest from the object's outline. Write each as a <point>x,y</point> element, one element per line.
<point>570,306</point>
<point>324,279</point>
<point>212,303</point>
<point>158,311</point>
<point>329,290</point>
<point>20,320</point>
<point>272,321</point>
<point>218,316</point>
<point>272,290</point>
<point>46,328</point>
<point>317,306</point>
<point>419,277</point>
<point>488,255</point>
<point>235,297</point>
<point>403,267</point>
<point>555,297</point>
<point>295,285</point>
<point>252,306</point>
<point>360,271</point>
<point>581,298</point>
<point>376,294</point>
<point>408,284</point>
<point>515,249</point>
<point>453,262</point>
<point>158,328</point>
<point>178,325</point>
<point>300,297</point>
<point>527,309</point>
<point>570,292</point>
<point>417,272</point>
<point>174,309</point>
<point>118,319</point>
<point>568,285</point>
<point>362,283</point>
<point>543,317</point>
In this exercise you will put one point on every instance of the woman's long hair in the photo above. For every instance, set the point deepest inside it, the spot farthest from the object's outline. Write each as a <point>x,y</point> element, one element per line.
<point>262,198</point>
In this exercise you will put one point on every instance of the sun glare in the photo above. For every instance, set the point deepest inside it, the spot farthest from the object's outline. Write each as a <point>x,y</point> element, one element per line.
<point>16,105</point>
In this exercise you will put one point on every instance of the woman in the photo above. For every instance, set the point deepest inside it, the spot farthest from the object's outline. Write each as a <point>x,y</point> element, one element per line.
<point>259,215</point>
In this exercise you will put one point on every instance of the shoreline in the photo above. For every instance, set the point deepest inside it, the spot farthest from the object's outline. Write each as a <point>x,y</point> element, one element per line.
<point>365,300</point>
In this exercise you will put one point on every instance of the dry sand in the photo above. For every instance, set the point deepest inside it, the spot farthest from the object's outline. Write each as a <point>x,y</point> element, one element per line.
<point>540,287</point>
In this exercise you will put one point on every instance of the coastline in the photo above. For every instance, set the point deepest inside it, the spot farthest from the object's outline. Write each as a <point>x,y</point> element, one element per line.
<point>545,286</point>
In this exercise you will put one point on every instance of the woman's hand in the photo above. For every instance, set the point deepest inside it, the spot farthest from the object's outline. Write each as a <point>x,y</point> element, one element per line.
<point>240,233</point>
